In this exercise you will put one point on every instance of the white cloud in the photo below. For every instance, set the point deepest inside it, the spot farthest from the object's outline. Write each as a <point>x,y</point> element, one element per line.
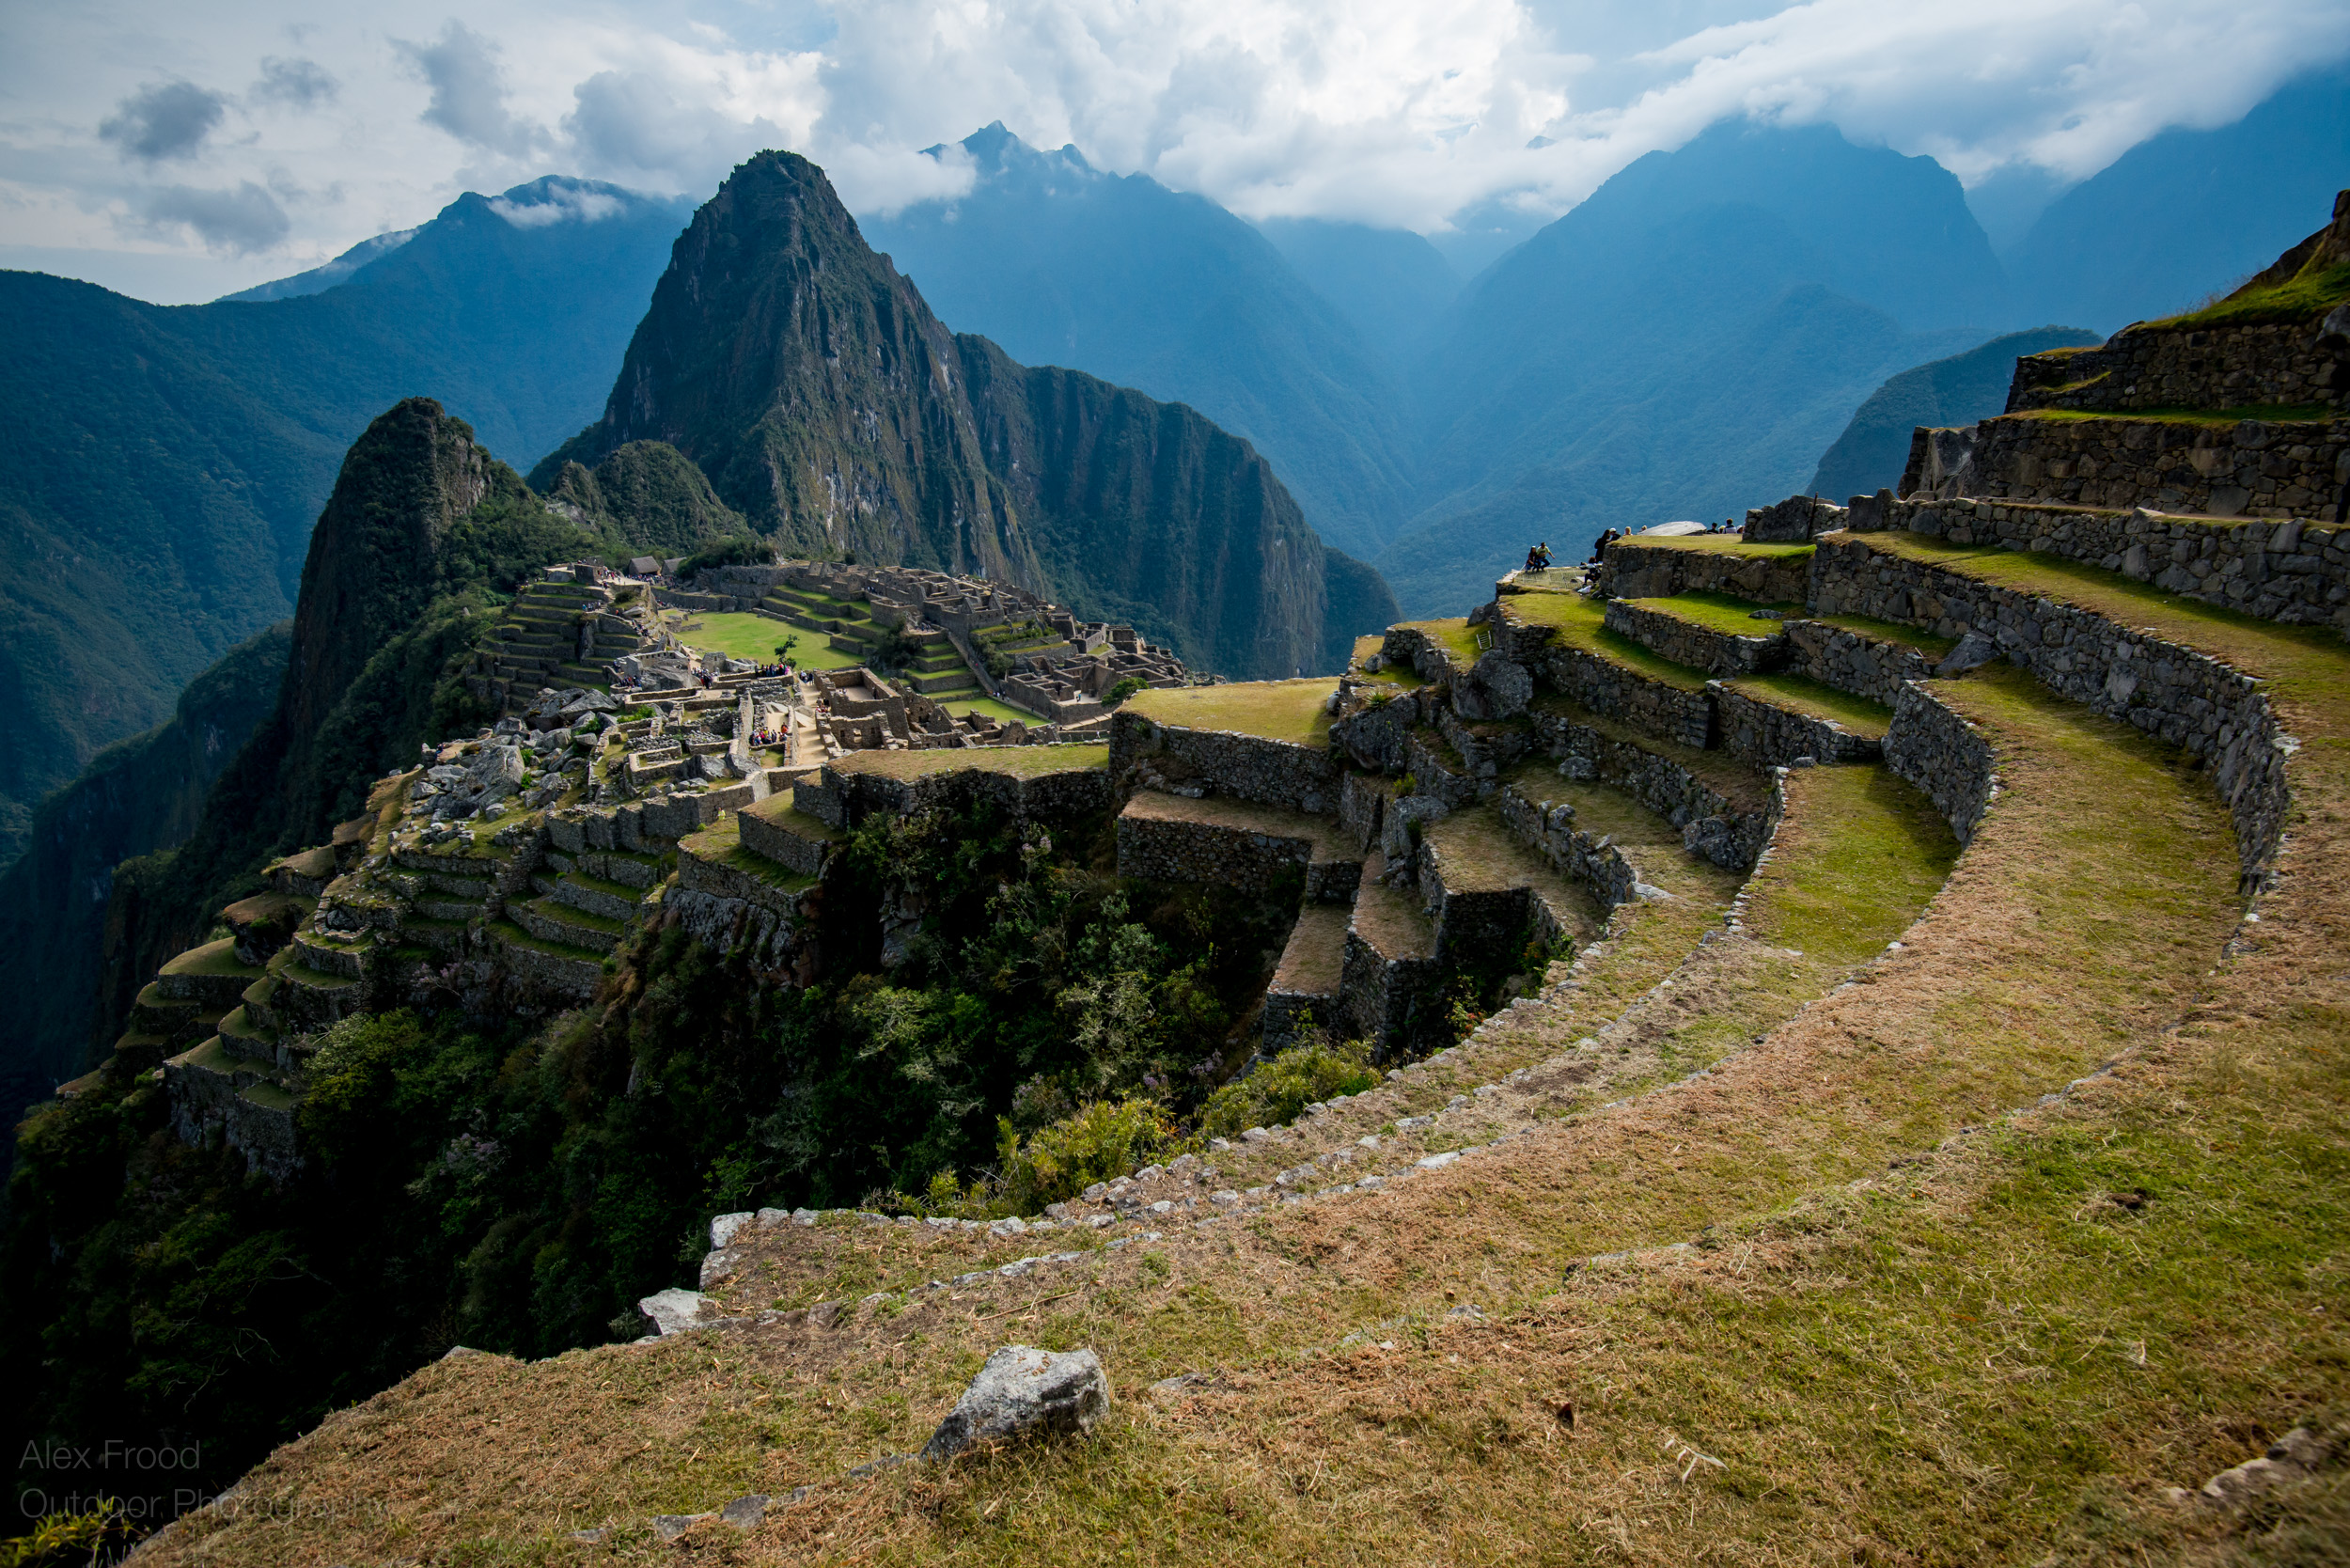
<point>1403,112</point>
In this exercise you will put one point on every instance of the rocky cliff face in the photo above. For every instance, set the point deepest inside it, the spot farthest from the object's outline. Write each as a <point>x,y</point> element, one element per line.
<point>829,406</point>
<point>651,492</point>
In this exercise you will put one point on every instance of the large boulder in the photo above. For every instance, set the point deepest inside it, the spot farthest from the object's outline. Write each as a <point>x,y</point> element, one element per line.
<point>1022,1393</point>
<point>675,1311</point>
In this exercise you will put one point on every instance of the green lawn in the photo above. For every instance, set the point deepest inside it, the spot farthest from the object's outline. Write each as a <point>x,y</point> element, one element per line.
<point>1021,761</point>
<point>1002,712</point>
<point>740,634</point>
<point>1453,635</point>
<point>1277,710</point>
<point>1887,630</point>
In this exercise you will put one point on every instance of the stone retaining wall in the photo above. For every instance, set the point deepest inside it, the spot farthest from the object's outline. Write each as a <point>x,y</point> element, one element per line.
<point>1377,735</point>
<point>205,1101</point>
<point>2287,571</point>
<point>1946,756</point>
<point>1797,520</point>
<point>1245,767</point>
<point>1874,667</point>
<point>1774,737</point>
<point>1631,569</point>
<point>1362,807</point>
<point>2248,469</point>
<point>1710,825</point>
<point>2184,698</point>
<point>2210,367</point>
<point>1593,861</point>
<point>1435,769</point>
<point>1686,642</point>
<point>1380,998</point>
<point>724,907</point>
<point>1159,849</point>
<point>1608,688</point>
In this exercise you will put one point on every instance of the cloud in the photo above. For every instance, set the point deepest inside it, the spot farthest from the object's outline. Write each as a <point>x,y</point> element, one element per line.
<point>296,84</point>
<point>469,92</point>
<point>242,221</point>
<point>164,120</point>
<point>562,202</point>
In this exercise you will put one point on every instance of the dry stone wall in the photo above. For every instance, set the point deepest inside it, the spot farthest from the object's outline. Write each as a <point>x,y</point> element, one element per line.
<point>1874,667</point>
<point>1246,767</point>
<point>2252,468</point>
<point>1636,570</point>
<point>1176,849</point>
<point>1947,757</point>
<point>2289,572</point>
<point>1551,832</point>
<point>2175,694</point>
<point>1797,520</point>
<point>1686,642</point>
<point>1772,737</point>
<point>2214,367</point>
<point>1729,833</point>
<point>1669,713</point>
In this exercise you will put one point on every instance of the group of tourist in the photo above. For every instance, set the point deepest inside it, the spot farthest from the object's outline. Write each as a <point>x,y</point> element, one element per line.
<point>1538,559</point>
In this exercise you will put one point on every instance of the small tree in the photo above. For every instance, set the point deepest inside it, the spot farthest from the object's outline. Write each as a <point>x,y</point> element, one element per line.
<point>783,648</point>
<point>1124,689</point>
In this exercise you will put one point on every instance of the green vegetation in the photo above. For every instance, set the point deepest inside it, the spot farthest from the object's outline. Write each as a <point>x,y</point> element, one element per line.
<point>1020,762</point>
<point>1294,710</point>
<point>1720,612</point>
<point>2298,299</point>
<point>1803,695</point>
<point>742,634</point>
<point>1278,1090</point>
<point>1454,635</point>
<point>1580,623</point>
<point>1100,1142</point>
<point>1726,544</point>
<point>987,707</point>
<point>741,549</point>
<point>2270,413</point>
<point>1887,630</point>
<point>1855,865</point>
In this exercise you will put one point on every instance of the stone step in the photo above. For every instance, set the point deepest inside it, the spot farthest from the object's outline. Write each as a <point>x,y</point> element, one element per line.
<point>152,1013</point>
<point>243,1038</point>
<point>442,936</point>
<point>262,924</point>
<point>1306,983</point>
<point>774,829</point>
<point>549,964</point>
<point>136,1051</point>
<point>1485,890</point>
<point>211,976</point>
<point>1391,962</point>
<point>549,921</point>
<point>312,999</point>
<point>1234,844</point>
<point>1617,849</point>
<point>612,901</point>
<point>305,874</point>
<point>951,679</point>
<point>348,960</point>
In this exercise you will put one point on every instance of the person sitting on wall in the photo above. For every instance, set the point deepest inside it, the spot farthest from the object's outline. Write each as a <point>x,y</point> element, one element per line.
<point>1534,558</point>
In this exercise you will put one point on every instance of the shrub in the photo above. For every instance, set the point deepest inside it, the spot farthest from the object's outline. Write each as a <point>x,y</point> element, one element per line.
<point>1125,689</point>
<point>732,550</point>
<point>1100,1142</point>
<point>1278,1090</point>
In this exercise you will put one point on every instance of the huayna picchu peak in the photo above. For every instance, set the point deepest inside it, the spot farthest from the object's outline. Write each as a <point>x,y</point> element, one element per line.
<point>811,383</point>
<point>883,965</point>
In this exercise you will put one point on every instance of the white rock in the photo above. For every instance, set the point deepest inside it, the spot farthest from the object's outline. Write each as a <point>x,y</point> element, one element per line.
<point>1021,1393</point>
<point>674,1311</point>
<point>1437,1162</point>
<point>722,1227</point>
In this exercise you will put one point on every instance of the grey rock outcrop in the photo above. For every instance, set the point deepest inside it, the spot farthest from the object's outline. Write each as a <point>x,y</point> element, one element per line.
<point>674,1311</point>
<point>1022,1393</point>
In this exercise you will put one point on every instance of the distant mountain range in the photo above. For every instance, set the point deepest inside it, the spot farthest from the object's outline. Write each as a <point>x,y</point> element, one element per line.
<point>166,463</point>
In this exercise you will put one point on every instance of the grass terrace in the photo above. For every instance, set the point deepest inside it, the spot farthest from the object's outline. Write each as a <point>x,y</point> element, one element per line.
<point>1580,623</point>
<point>1733,780</point>
<point>2275,414</point>
<point>1887,630</point>
<point>212,958</point>
<point>740,634</point>
<point>1454,635</point>
<point>1647,839</point>
<point>1017,762</point>
<point>1802,694</point>
<point>1725,544</point>
<point>987,707</point>
<point>2298,299</point>
<point>1720,612</point>
<point>1291,711</point>
<point>721,844</point>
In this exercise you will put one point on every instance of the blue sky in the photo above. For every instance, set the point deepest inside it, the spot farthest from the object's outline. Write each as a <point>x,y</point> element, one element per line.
<point>178,151</point>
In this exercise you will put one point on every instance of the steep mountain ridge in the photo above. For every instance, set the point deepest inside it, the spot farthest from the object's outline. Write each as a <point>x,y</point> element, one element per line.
<point>810,382</point>
<point>1119,276</point>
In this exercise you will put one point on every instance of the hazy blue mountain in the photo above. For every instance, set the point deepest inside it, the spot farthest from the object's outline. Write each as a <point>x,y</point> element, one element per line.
<point>320,279</point>
<point>1391,283</point>
<point>1119,276</point>
<point>1684,344</point>
<point>165,462</point>
<point>2187,213</point>
<point>1959,390</point>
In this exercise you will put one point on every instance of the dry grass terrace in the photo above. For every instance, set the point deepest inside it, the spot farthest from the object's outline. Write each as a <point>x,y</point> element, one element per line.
<point>1291,711</point>
<point>1800,693</point>
<point>1580,623</point>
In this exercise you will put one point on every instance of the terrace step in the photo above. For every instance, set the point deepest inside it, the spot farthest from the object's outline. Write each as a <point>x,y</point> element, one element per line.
<point>1235,843</point>
<point>1486,891</point>
<point>1779,720</point>
<point>548,962</point>
<point>591,895</point>
<point>1714,632</point>
<point>1307,982</point>
<point>775,829</point>
<point>549,921</point>
<point>348,960</point>
<point>211,976</point>
<point>1390,961</point>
